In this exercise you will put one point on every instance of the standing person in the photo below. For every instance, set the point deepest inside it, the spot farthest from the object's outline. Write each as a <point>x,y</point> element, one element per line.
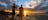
<point>21,13</point>
<point>13,11</point>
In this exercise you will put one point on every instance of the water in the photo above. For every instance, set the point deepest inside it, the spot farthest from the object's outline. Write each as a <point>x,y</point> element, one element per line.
<point>41,17</point>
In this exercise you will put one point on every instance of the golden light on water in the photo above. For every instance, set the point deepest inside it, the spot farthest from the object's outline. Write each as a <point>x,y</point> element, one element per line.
<point>10,11</point>
<point>17,12</point>
<point>26,12</point>
<point>6,10</point>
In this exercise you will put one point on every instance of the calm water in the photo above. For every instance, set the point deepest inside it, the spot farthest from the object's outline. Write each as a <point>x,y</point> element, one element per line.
<point>41,17</point>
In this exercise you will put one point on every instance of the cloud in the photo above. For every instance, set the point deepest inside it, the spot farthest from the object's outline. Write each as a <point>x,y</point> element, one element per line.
<point>32,4</point>
<point>2,2</point>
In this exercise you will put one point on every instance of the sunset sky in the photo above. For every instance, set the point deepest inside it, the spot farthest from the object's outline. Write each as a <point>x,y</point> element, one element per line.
<point>25,3</point>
